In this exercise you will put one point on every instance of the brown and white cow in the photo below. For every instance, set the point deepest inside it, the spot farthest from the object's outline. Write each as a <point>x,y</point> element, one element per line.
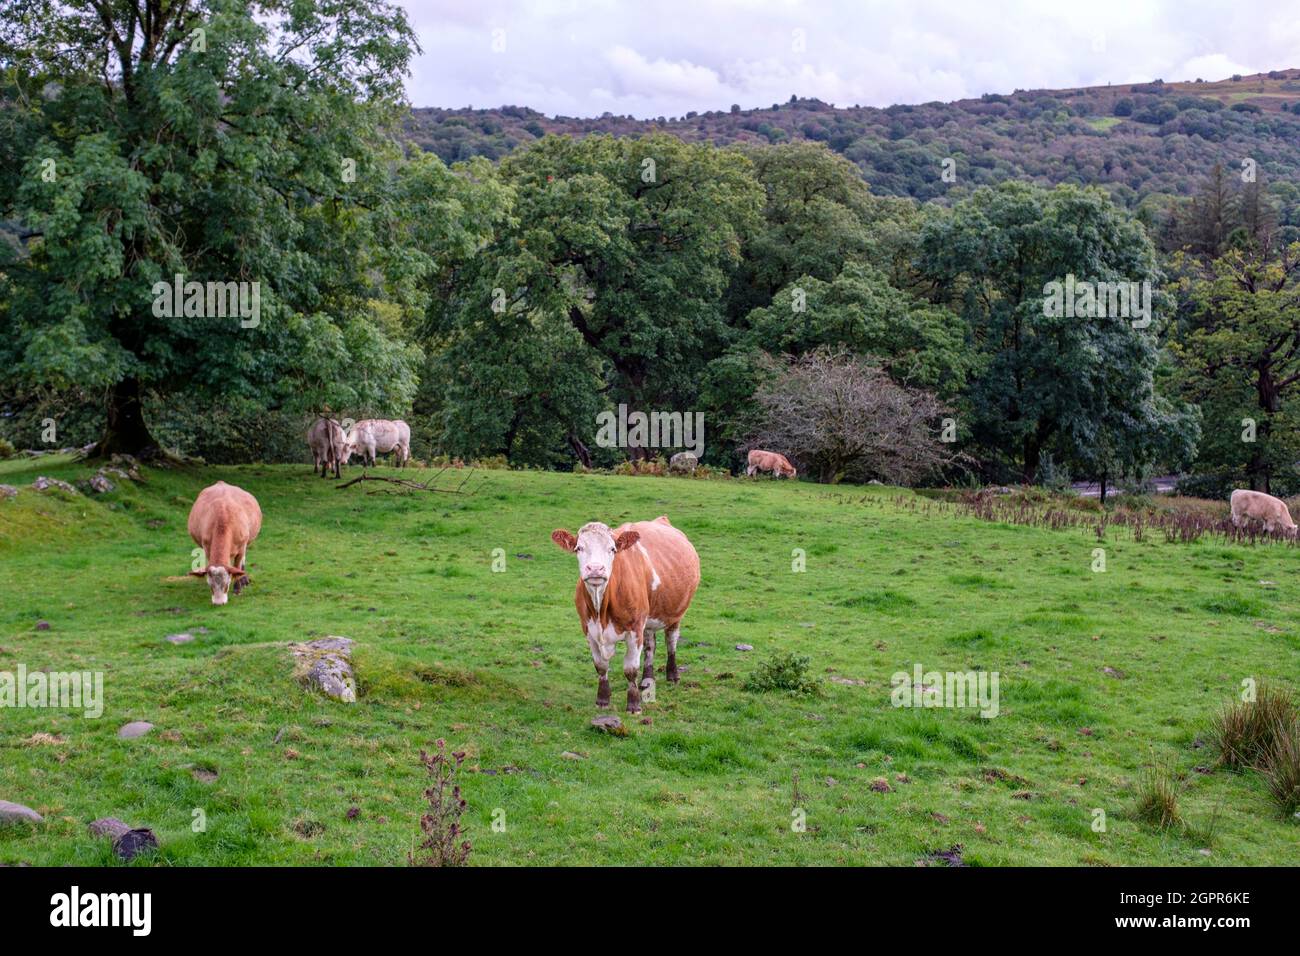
<point>329,446</point>
<point>372,436</point>
<point>778,465</point>
<point>632,581</point>
<point>223,522</point>
<point>1257,506</point>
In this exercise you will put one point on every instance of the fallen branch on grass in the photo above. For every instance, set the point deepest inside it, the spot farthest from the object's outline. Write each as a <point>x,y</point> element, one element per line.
<point>429,485</point>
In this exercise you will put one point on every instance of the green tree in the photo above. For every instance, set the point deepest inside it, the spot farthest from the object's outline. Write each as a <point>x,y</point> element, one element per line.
<point>818,214</point>
<point>1238,350</point>
<point>1047,382</point>
<point>627,244</point>
<point>222,141</point>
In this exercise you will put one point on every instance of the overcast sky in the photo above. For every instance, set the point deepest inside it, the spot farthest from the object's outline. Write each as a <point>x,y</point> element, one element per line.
<point>665,57</point>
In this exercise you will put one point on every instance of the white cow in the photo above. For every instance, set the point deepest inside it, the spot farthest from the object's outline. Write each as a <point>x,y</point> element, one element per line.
<point>1256,506</point>
<point>372,436</point>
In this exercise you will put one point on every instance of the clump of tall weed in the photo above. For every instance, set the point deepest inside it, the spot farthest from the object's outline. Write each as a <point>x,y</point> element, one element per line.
<point>1244,731</point>
<point>443,843</point>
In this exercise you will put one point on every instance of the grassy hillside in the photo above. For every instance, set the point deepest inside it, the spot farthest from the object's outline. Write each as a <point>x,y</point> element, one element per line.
<point>495,663</point>
<point>1135,140</point>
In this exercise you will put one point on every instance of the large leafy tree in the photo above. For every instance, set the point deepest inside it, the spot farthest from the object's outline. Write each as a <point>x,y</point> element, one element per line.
<point>1238,350</point>
<point>603,284</point>
<point>818,214</point>
<point>1081,388</point>
<point>219,140</point>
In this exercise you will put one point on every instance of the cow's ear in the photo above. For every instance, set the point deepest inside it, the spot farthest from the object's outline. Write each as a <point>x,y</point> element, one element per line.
<point>565,540</point>
<point>626,540</point>
<point>235,572</point>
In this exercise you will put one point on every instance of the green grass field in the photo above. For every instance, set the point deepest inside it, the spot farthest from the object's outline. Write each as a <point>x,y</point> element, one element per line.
<point>496,664</point>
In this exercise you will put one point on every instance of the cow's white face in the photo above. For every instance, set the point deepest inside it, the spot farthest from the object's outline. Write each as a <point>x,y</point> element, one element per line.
<point>595,550</point>
<point>595,547</point>
<point>219,583</point>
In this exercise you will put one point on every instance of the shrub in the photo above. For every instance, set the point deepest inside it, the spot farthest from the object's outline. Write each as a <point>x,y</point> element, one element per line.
<point>654,466</point>
<point>840,417</point>
<point>6,449</point>
<point>442,845</point>
<point>783,671</point>
<point>1244,731</point>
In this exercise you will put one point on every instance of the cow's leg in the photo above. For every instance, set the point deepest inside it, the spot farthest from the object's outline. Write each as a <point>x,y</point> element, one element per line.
<point>674,632</point>
<point>648,670</point>
<point>631,664</point>
<point>243,580</point>
<point>600,655</point>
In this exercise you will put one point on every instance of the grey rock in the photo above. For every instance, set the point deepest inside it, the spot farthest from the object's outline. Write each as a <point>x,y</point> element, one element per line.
<point>180,638</point>
<point>8,491</point>
<point>683,461</point>
<point>99,484</point>
<point>744,647</point>
<point>128,842</point>
<point>136,728</point>
<point>325,664</point>
<point>42,625</point>
<point>609,724</point>
<point>44,484</point>
<point>17,813</point>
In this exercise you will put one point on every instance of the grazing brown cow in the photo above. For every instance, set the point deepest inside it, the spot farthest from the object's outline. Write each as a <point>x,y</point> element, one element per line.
<point>223,522</point>
<point>372,436</point>
<point>778,465</point>
<point>1256,506</point>
<point>329,446</point>
<point>633,581</point>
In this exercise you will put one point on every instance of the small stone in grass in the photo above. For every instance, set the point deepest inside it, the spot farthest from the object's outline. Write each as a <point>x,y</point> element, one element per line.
<point>570,755</point>
<point>609,724</point>
<point>128,842</point>
<point>744,647</point>
<point>180,638</point>
<point>42,625</point>
<point>17,813</point>
<point>136,728</point>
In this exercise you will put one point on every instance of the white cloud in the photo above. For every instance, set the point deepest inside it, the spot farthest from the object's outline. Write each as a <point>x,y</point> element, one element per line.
<point>672,56</point>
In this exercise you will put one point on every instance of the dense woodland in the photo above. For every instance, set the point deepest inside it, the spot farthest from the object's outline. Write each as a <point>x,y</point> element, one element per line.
<point>500,278</point>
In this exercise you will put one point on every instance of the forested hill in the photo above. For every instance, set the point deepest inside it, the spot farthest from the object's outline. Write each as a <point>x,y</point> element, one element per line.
<point>1137,140</point>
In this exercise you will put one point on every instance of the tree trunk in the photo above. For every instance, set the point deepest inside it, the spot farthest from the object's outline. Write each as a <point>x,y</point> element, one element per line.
<point>1103,489</point>
<point>1031,452</point>
<point>580,449</point>
<point>125,431</point>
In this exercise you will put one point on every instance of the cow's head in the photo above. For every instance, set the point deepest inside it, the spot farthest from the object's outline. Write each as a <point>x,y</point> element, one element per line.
<point>788,472</point>
<point>595,547</point>
<point>219,578</point>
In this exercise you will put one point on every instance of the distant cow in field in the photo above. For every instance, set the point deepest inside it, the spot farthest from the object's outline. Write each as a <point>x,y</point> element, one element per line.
<point>778,465</point>
<point>632,581</point>
<point>1256,506</point>
<point>378,436</point>
<point>223,522</point>
<point>329,446</point>
<point>683,461</point>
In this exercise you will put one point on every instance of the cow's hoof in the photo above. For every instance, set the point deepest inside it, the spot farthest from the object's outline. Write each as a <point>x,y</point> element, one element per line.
<point>673,676</point>
<point>634,706</point>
